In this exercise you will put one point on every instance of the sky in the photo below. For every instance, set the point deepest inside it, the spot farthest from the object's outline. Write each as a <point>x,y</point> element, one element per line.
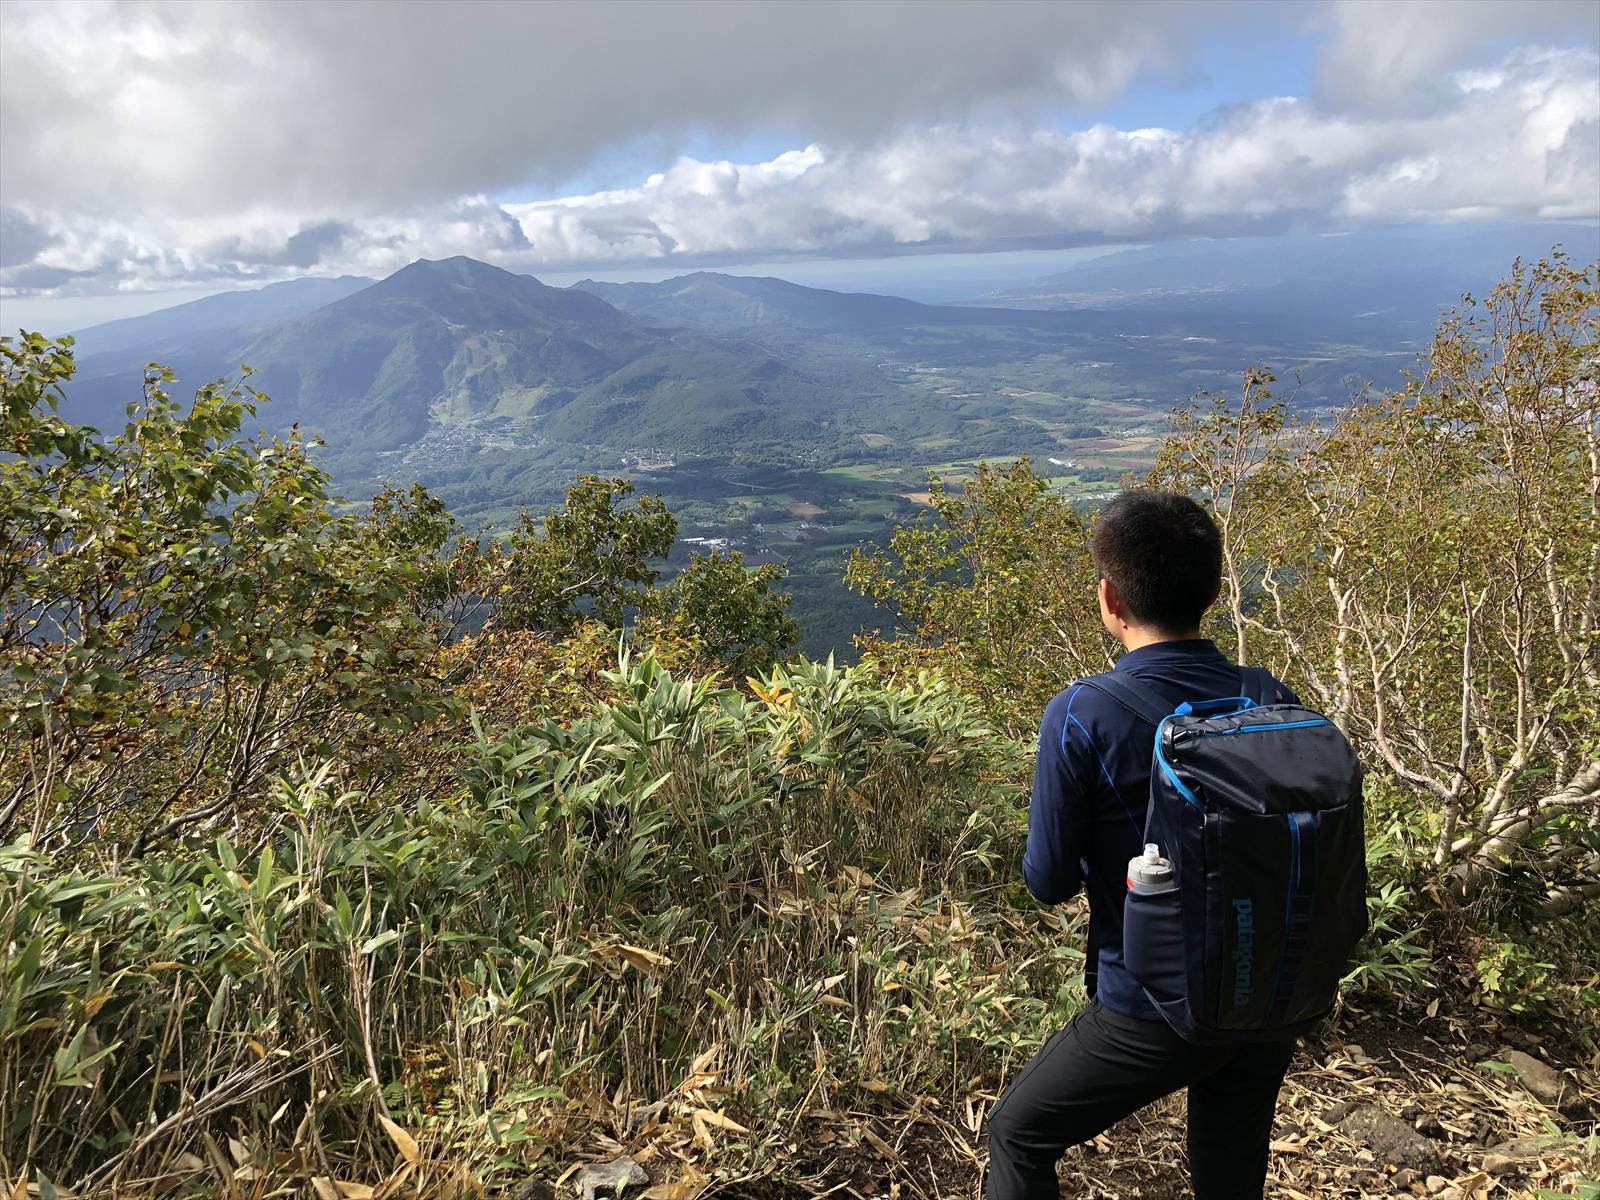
<point>151,152</point>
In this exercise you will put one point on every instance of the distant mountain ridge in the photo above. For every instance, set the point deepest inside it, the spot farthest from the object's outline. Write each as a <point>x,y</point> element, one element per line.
<point>1410,273</point>
<point>723,363</point>
<point>749,302</point>
<point>767,306</point>
<point>226,310</point>
<point>440,342</point>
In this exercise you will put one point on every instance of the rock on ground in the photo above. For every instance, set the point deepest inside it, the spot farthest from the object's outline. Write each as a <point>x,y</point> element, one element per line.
<point>1544,1083</point>
<point>614,1177</point>
<point>1388,1137</point>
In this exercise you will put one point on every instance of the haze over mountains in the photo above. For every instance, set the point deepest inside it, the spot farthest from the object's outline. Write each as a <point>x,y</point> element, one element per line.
<point>441,342</point>
<point>767,306</point>
<point>181,325</point>
<point>795,422</point>
<point>1398,277</point>
<point>438,343</point>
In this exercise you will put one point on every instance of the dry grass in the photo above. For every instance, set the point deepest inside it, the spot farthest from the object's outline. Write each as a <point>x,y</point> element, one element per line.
<point>1413,1067</point>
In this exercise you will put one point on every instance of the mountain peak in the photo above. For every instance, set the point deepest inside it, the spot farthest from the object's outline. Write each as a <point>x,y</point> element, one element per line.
<point>460,280</point>
<point>459,269</point>
<point>462,291</point>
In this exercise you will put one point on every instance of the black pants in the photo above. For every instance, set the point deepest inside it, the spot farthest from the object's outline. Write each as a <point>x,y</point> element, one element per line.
<point>1102,1067</point>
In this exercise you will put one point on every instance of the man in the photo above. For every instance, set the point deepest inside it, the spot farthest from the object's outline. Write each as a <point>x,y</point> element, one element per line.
<point>1160,560</point>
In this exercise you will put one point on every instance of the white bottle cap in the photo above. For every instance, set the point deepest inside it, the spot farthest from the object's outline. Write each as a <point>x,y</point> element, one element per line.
<point>1152,852</point>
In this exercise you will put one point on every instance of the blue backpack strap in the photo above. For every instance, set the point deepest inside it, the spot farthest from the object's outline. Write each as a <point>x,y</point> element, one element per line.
<point>1147,706</point>
<point>1132,695</point>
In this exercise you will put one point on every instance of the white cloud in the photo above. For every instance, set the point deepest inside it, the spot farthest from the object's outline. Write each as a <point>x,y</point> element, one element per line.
<point>1380,56</point>
<point>1518,141</point>
<point>206,105</point>
<point>152,145</point>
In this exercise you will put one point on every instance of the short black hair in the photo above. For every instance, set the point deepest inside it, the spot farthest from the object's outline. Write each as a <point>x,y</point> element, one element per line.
<point>1162,553</point>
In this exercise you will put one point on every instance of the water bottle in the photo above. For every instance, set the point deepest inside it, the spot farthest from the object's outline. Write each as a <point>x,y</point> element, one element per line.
<point>1149,874</point>
<point>1152,926</point>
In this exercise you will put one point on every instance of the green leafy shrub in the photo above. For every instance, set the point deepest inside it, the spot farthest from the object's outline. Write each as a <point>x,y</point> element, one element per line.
<point>183,614</point>
<point>686,875</point>
<point>995,587</point>
<point>725,613</point>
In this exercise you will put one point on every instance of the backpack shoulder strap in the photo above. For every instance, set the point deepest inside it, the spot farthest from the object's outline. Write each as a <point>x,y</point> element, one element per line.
<point>1258,684</point>
<point>1132,695</point>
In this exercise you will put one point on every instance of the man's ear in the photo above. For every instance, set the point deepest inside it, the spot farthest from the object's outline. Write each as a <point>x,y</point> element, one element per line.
<point>1110,601</point>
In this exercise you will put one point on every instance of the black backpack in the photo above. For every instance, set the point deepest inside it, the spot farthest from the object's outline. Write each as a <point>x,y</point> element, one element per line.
<point>1258,807</point>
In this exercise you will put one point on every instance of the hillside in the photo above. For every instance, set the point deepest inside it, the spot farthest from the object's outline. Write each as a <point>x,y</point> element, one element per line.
<point>439,344</point>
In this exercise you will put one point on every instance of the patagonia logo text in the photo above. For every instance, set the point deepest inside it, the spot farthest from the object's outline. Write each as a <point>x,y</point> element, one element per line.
<point>1244,952</point>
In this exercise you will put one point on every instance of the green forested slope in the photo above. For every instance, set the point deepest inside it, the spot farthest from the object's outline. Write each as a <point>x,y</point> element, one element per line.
<point>439,343</point>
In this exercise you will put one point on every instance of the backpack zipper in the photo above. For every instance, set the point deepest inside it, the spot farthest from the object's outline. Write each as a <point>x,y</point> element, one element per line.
<point>1261,728</point>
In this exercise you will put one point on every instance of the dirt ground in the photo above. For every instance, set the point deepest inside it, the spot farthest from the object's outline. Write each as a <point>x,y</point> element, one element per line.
<point>1420,1066</point>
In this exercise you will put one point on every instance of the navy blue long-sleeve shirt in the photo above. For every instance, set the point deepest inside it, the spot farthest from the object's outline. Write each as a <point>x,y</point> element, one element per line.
<point>1091,785</point>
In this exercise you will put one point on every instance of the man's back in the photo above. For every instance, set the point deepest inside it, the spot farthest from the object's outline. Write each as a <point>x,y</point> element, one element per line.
<point>1160,561</point>
<point>1091,781</point>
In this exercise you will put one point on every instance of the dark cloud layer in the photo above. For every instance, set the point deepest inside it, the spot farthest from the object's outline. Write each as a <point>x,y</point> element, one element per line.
<point>307,247</point>
<point>21,240</point>
<point>151,144</point>
<point>373,106</point>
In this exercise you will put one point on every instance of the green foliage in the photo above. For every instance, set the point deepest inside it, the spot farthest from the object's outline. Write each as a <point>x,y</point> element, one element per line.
<point>778,894</point>
<point>995,584</point>
<point>1424,569</point>
<point>1511,976</point>
<point>452,570</point>
<point>1394,956</point>
<point>182,613</point>
<point>589,558</point>
<point>728,611</point>
<point>595,560</point>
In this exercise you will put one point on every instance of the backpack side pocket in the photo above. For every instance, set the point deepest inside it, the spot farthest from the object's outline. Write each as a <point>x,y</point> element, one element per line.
<point>1152,943</point>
